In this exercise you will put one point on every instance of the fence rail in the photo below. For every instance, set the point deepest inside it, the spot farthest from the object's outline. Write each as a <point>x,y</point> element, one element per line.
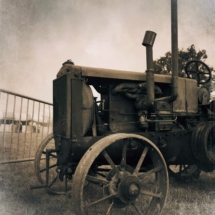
<point>24,122</point>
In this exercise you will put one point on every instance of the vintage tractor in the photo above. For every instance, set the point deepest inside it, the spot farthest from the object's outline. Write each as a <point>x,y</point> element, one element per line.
<point>113,155</point>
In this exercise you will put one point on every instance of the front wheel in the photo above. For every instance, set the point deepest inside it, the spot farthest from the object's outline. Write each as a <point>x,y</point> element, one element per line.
<point>132,179</point>
<point>55,185</point>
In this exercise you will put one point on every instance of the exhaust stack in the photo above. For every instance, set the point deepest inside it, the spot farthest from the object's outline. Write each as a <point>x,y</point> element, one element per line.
<point>148,41</point>
<point>174,35</point>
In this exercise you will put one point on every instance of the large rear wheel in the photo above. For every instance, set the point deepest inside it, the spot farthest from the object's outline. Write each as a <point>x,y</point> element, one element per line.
<point>133,178</point>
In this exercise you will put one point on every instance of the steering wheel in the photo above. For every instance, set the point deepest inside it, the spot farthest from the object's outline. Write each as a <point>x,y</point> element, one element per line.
<point>198,70</point>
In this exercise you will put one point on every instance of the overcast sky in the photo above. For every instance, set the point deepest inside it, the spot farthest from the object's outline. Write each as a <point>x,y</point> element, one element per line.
<point>38,36</point>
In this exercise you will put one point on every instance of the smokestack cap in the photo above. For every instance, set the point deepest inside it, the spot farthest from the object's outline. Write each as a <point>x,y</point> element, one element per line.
<point>149,38</point>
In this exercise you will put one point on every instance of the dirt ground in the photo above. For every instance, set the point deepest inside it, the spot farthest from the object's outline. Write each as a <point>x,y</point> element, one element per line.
<point>16,198</point>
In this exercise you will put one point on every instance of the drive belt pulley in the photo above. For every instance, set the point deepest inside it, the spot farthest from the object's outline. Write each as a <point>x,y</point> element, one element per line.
<point>203,145</point>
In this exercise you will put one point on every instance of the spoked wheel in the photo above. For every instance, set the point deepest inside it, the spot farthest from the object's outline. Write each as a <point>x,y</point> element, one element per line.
<point>136,180</point>
<point>55,185</point>
<point>184,172</point>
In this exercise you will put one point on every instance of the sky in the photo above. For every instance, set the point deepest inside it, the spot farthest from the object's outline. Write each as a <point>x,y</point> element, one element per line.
<point>36,37</point>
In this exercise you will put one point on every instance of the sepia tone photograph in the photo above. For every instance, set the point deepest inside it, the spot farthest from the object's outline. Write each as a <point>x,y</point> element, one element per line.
<point>107,107</point>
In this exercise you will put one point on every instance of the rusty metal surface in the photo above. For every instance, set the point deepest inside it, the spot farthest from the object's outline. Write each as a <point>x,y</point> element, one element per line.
<point>111,73</point>
<point>187,101</point>
<point>122,114</point>
<point>148,41</point>
<point>73,106</point>
<point>87,109</point>
<point>174,50</point>
<point>191,96</point>
<point>180,104</point>
<point>62,106</point>
<point>126,75</point>
<point>175,150</point>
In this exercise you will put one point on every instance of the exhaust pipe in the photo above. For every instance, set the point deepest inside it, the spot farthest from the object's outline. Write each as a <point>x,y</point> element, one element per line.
<point>174,35</point>
<point>148,41</point>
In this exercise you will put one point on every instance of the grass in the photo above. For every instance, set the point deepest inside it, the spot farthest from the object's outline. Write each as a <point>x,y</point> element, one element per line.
<point>17,146</point>
<point>16,198</point>
<point>193,197</point>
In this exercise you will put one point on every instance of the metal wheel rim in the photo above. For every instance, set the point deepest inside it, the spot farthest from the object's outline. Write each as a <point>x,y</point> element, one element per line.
<point>157,199</point>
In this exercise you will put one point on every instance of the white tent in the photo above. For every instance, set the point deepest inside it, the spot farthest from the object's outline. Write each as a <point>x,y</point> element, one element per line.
<point>15,116</point>
<point>6,116</point>
<point>22,117</point>
<point>41,119</point>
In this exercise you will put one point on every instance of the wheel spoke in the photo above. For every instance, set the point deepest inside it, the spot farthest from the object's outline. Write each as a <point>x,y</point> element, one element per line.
<point>110,161</point>
<point>103,169</point>
<point>180,169</point>
<point>52,166</point>
<point>198,77</point>
<point>185,169</point>
<point>137,209</point>
<point>109,209</point>
<point>148,193</point>
<point>53,182</point>
<point>51,155</point>
<point>124,150</point>
<point>100,200</point>
<point>203,73</point>
<point>65,184</point>
<point>94,180</point>
<point>145,174</point>
<point>197,69</point>
<point>191,71</point>
<point>141,160</point>
<point>98,173</point>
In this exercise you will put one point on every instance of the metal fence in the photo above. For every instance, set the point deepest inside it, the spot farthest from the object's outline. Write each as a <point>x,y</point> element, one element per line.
<point>24,123</point>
